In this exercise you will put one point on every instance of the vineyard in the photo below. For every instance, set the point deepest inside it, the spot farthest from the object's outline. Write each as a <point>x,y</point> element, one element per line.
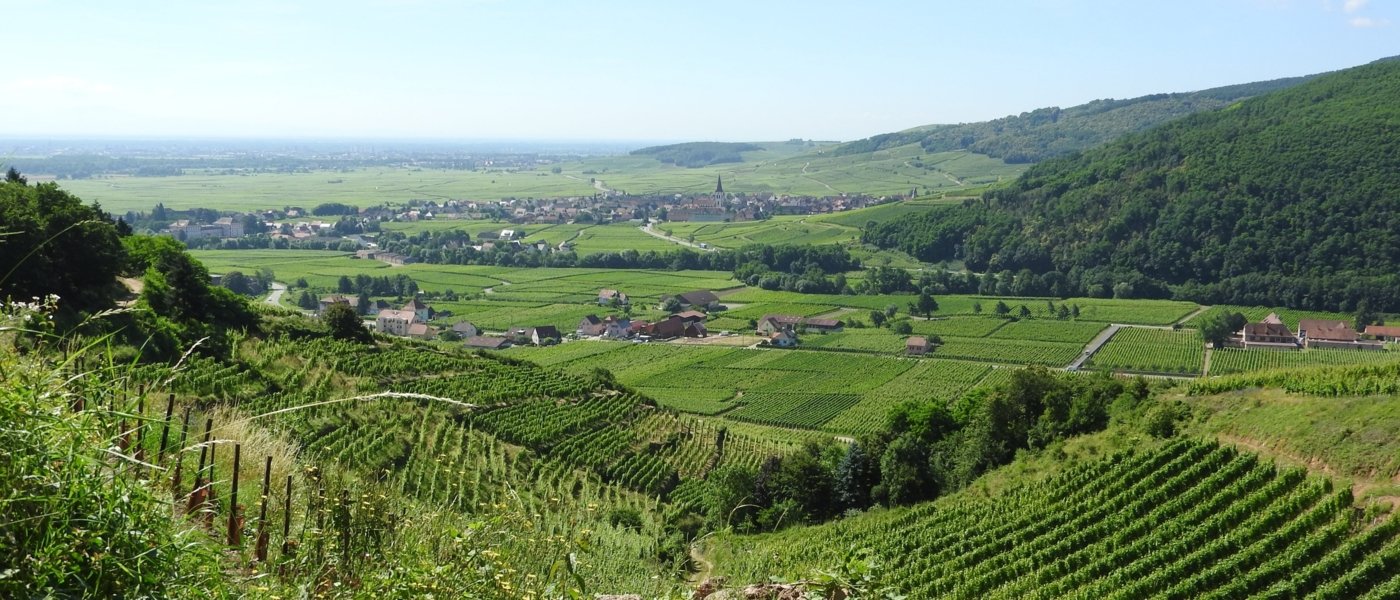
<point>1152,351</point>
<point>1225,361</point>
<point>1188,520</point>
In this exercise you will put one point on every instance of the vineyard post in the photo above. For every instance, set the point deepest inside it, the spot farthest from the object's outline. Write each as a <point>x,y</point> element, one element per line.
<point>210,501</point>
<point>140,452</point>
<point>165,429</point>
<point>260,547</point>
<point>287,520</point>
<point>196,493</point>
<point>180,457</point>
<point>235,530</point>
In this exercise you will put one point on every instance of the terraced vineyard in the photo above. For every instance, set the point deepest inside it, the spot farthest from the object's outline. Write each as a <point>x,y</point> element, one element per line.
<point>1152,351</point>
<point>1188,520</point>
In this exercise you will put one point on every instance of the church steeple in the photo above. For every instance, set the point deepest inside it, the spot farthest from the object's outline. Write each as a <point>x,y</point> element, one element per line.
<point>719,184</point>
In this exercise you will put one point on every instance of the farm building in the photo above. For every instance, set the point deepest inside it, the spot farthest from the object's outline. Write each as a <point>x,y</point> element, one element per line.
<point>1269,333</point>
<point>770,324</point>
<point>917,346</point>
<point>701,298</point>
<point>421,309</point>
<point>487,343</point>
<point>1384,333</point>
<point>616,328</point>
<point>465,329</point>
<point>783,339</point>
<point>607,296</point>
<point>542,334</point>
<point>395,322</point>
<point>1316,333</point>
<point>591,325</point>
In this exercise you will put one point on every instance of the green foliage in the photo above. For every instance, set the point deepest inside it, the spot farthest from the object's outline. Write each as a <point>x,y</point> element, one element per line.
<point>344,324</point>
<point>53,244</point>
<point>77,523</point>
<point>1182,519</point>
<point>1049,132</point>
<point>698,154</point>
<point>1255,205</point>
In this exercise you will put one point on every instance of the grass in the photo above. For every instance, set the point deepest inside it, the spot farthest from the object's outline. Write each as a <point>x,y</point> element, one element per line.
<point>1350,437</point>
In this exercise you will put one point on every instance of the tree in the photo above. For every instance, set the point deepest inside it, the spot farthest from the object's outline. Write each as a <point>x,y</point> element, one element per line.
<point>344,324</point>
<point>1002,308</point>
<point>976,308</point>
<point>1074,311</point>
<point>307,301</point>
<point>671,305</point>
<point>925,305</point>
<point>1062,312</point>
<point>13,176</point>
<point>1215,329</point>
<point>237,283</point>
<point>890,310</point>
<point>301,283</point>
<point>344,285</point>
<point>53,244</point>
<point>1025,312</point>
<point>903,328</point>
<point>877,318</point>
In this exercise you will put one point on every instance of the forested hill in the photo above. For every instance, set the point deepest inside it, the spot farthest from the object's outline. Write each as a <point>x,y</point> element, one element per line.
<point>1049,132</point>
<point>699,154</point>
<point>1285,199</point>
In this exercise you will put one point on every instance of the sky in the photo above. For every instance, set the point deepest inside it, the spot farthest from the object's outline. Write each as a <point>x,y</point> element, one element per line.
<point>661,70</point>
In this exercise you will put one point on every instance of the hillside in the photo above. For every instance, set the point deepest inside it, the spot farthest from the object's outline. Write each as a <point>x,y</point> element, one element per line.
<point>1285,199</point>
<point>1048,132</point>
<point>699,154</point>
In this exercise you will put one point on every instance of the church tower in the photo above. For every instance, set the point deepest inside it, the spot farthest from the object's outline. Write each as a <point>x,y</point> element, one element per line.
<point>718,196</point>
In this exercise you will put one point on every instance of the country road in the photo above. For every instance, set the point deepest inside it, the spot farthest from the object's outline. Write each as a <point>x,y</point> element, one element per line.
<point>275,298</point>
<point>654,233</point>
<point>1098,342</point>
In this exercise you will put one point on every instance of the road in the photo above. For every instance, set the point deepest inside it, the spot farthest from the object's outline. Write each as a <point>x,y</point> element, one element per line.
<point>654,233</point>
<point>1098,342</point>
<point>275,298</point>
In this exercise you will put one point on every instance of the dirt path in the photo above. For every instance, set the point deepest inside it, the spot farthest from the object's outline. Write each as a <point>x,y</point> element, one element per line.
<point>1194,314</point>
<point>823,183</point>
<point>1205,363</point>
<point>597,184</point>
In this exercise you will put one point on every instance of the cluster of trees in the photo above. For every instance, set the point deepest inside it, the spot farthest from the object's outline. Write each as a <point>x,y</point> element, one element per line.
<point>398,285</point>
<point>256,284</point>
<point>928,448</point>
<point>61,247</point>
<point>1286,199</point>
<point>1046,133</point>
<point>698,154</point>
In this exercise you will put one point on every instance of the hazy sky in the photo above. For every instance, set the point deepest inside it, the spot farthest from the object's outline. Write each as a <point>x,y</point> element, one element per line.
<point>656,70</point>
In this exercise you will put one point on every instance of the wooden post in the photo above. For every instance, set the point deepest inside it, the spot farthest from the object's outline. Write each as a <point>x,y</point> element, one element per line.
<point>165,429</point>
<point>211,503</point>
<point>287,520</point>
<point>235,528</point>
<point>180,458</point>
<point>260,547</point>
<point>198,494</point>
<point>140,452</point>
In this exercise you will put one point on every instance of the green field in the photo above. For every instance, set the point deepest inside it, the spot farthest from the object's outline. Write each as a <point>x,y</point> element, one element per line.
<point>1152,351</point>
<point>796,230</point>
<point>780,168</point>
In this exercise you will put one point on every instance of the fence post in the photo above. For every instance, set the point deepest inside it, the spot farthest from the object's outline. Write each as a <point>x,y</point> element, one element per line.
<point>140,452</point>
<point>175,477</point>
<point>197,495</point>
<point>260,547</point>
<point>165,430</point>
<point>287,520</point>
<point>211,502</point>
<point>235,528</point>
